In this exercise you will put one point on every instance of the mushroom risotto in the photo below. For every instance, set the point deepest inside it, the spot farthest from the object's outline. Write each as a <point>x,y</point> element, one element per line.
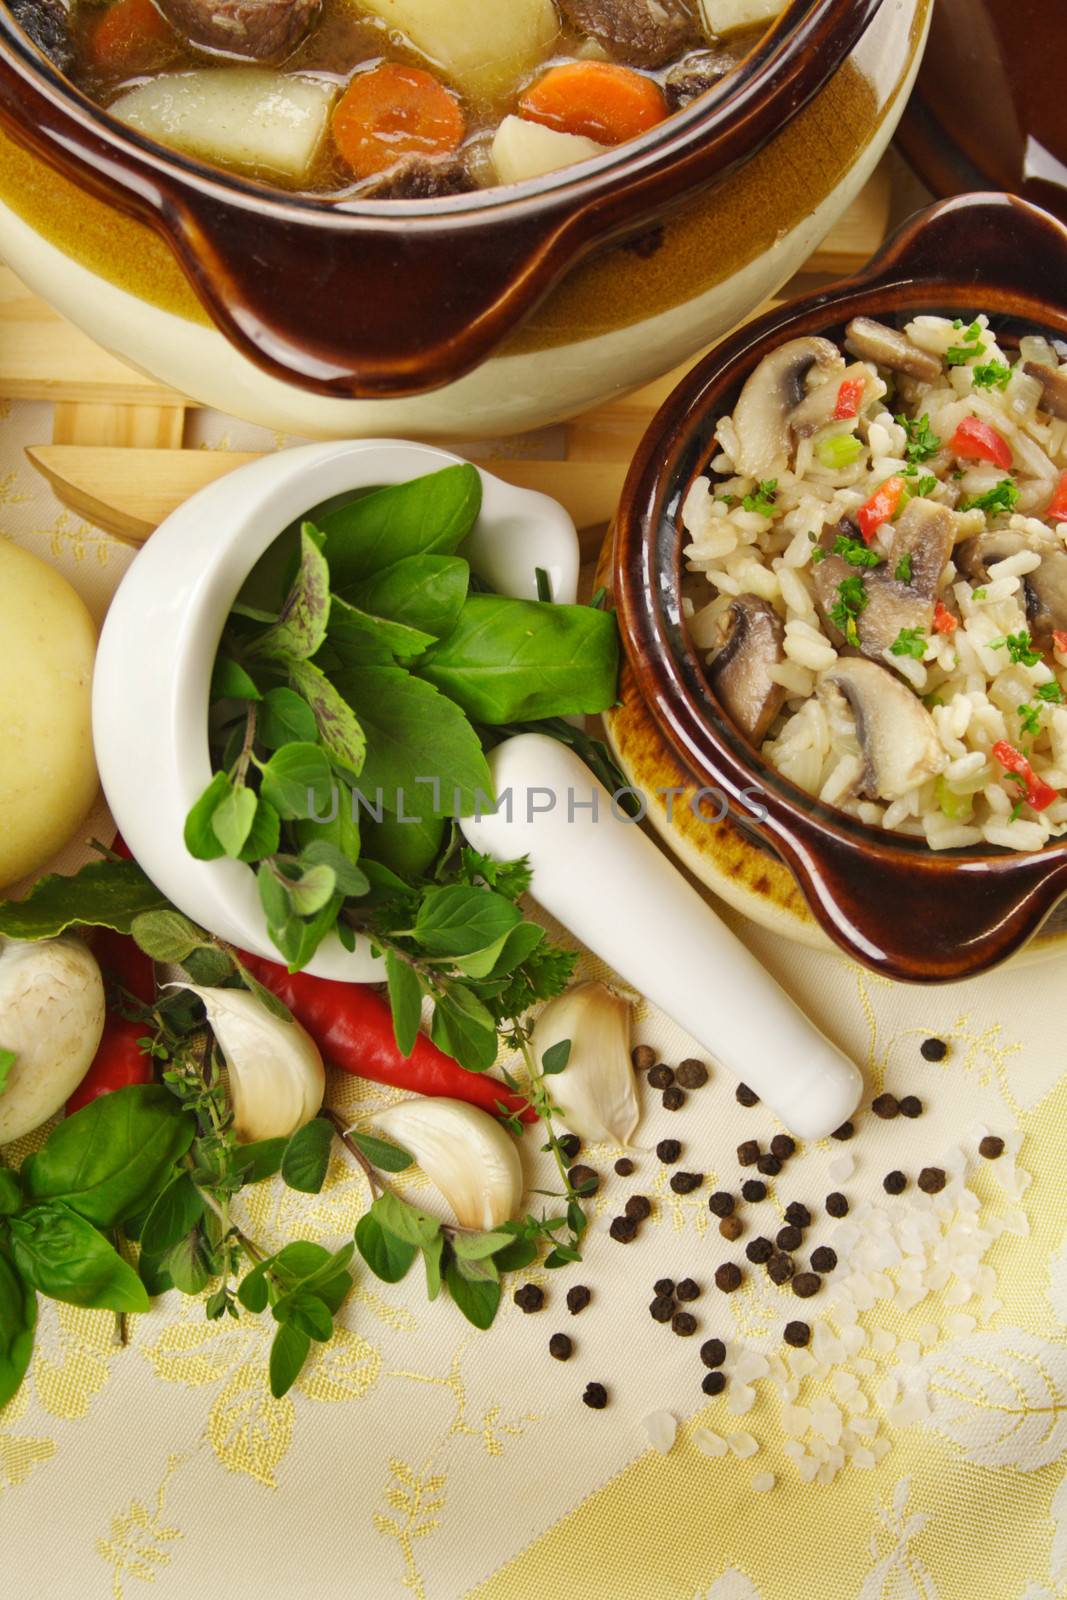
<point>884,528</point>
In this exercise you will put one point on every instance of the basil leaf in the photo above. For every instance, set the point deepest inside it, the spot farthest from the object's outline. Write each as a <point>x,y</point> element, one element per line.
<point>341,830</point>
<point>415,734</point>
<point>153,1274</point>
<point>7,1061</point>
<point>404,1221</point>
<point>201,840</point>
<point>410,845</point>
<point>167,936</point>
<point>66,1258</point>
<point>104,894</point>
<point>111,1157</point>
<point>388,1257</point>
<point>288,1353</point>
<point>405,998</point>
<point>348,622</point>
<point>507,660</point>
<point>431,1256</point>
<point>175,1213</point>
<point>339,728</point>
<point>425,592</point>
<point>307,1156</point>
<point>298,781</point>
<point>190,1263</point>
<point>463,1028</point>
<point>385,1156</point>
<point>285,716</point>
<point>301,627</point>
<point>232,819</point>
<point>434,513</point>
<point>10,1193</point>
<point>519,945</point>
<point>259,1160</point>
<point>229,681</point>
<point>458,920</point>
<point>18,1322</point>
<point>477,1246</point>
<point>478,1301</point>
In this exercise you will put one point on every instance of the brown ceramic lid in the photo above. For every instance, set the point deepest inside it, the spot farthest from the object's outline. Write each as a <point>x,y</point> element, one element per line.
<point>989,110</point>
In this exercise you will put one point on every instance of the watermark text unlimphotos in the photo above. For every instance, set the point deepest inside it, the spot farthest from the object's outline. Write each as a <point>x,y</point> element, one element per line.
<point>709,805</point>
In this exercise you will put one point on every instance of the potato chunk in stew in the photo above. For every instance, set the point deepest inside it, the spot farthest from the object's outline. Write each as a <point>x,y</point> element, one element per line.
<point>481,45</point>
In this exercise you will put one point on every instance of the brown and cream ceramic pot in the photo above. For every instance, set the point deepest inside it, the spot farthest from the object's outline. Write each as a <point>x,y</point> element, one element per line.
<point>489,312</point>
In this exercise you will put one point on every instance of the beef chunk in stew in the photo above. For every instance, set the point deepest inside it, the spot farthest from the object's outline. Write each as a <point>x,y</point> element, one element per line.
<point>47,22</point>
<point>267,30</point>
<point>644,33</point>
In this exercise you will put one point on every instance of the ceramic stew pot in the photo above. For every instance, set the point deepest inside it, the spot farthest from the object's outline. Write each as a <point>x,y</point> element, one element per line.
<point>896,906</point>
<point>489,312</point>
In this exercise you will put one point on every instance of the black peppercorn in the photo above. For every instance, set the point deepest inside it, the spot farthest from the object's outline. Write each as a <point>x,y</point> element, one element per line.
<point>780,1267</point>
<point>624,1166</point>
<point>933,1049</point>
<point>668,1151</point>
<point>991,1147</point>
<point>583,1179</point>
<point>769,1165</point>
<point>932,1180</point>
<point>845,1131</point>
<point>911,1106</point>
<point>824,1259</point>
<point>754,1189</point>
<point>663,1286</point>
<point>783,1146</point>
<point>692,1074</point>
<point>661,1076</point>
<point>836,1204</point>
<point>798,1214</point>
<point>684,1323</point>
<point>805,1284</point>
<point>713,1352</point>
<point>721,1204</point>
<point>623,1230</point>
<point>886,1106</point>
<point>746,1096</point>
<point>643,1057</point>
<point>789,1238</point>
<point>529,1297</point>
<point>578,1298</point>
<point>798,1334</point>
<point>673,1098</point>
<point>560,1346</point>
<point>731,1227</point>
<point>570,1144</point>
<point>894,1183</point>
<point>686,1182</point>
<point>728,1277</point>
<point>662,1308</point>
<point>638,1207</point>
<point>595,1396</point>
<point>759,1251</point>
<point>713,1383</point>
<point>688,1290</point>
<point>748,1153</point>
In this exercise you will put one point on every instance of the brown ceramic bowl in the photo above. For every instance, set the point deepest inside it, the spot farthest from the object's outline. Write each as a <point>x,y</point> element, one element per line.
<point>889,901</point>
<point>482,313</point>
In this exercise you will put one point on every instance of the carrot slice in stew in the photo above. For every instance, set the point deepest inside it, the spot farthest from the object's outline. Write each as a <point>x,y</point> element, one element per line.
<point>131,36</point>
<point>595,99</point>
<point>395,111</point>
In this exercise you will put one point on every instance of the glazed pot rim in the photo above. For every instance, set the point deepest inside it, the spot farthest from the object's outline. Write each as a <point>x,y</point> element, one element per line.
<point>914,273</point>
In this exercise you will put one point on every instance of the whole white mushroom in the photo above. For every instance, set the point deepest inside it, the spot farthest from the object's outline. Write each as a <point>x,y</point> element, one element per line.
<point>51,1020</point>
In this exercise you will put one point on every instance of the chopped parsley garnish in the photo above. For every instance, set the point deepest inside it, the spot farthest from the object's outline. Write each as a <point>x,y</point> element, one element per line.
<point>855,552</point>
<point>980,594</point>
<point>909,642</point>
<point>1019,648</point>
<point>1030,718</point>
<point>1046,694</point>
<point>1051,693</point>
<point>903,568</point>
<point>851,602</point>
<point>921,440</point>
<point>992,375</point>
<point>762,500</point>
<point>1002,497</point>
<point>971,346</point>
<point>727,499</point>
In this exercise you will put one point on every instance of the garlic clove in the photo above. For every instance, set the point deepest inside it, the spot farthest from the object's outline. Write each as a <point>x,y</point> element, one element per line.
<point>277,1079</point>
<point>464,1152</point>
<point>595,1092</point>
<point>51,1020</point>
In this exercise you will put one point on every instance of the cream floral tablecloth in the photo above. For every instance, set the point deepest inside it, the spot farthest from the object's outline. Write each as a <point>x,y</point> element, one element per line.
<point>418,1457</point>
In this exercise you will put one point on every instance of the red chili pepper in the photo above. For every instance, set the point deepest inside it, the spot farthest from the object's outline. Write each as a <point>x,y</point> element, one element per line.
<point>975,440</point>
<point>1059,639</point>
<point>882,505</point>
<point>944,621</point>
<point>849,399</point>
<point>1039,794</point>
<point>1057,511</point>
<point>353,1027</point>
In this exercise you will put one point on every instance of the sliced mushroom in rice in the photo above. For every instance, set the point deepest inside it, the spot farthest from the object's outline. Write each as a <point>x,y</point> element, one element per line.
<point>896,733</point>
<point>646,33</point>
<point>888,347</point>
<point>1053,386</point>
<point>752,643</point>
<point>772,393</point>
<point>923,535</point>
<point>1045,588</point>
<point>817,407</point>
